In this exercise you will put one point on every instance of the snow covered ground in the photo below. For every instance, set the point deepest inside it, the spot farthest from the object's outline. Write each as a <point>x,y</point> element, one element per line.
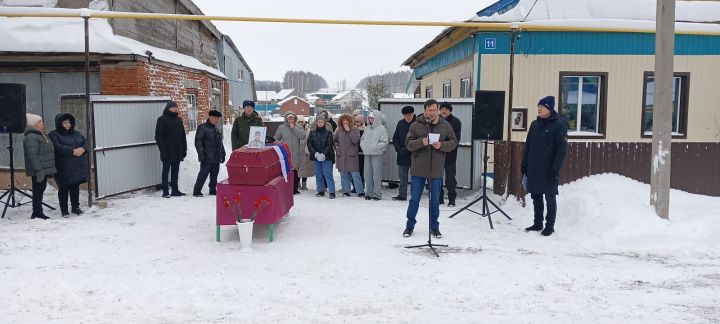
<point>145,259</point>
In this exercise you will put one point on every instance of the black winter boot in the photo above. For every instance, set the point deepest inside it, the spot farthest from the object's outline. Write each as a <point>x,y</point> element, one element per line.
<point>536,227</point>
<point>77,211</point>
<point>547,231</point>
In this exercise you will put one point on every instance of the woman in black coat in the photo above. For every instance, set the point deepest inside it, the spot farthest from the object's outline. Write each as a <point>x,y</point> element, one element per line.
<point>71,161</point>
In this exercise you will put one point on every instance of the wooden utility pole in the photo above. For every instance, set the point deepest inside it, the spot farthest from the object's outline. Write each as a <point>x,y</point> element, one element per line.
<point>662,108</point>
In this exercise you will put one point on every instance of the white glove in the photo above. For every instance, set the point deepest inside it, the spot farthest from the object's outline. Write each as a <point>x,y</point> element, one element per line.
<point>317,155</point>
<point>320,157</point>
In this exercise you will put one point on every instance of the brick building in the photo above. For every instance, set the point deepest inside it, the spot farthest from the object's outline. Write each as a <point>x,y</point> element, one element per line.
<point>127,57</point>
<point>295,104</point>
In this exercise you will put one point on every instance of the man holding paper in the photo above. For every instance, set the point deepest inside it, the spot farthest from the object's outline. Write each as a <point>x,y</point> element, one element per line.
<point>429,138</point>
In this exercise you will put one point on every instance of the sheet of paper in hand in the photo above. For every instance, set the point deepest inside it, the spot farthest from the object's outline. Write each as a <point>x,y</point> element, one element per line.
<point>433,138</point>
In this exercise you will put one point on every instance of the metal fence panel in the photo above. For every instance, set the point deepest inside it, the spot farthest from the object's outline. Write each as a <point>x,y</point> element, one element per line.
<point>126,156</point>
<point>466,176</point>
<point>127,169</point>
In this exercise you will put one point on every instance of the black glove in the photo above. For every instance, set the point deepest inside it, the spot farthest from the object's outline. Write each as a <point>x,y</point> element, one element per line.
<point>222,159</point>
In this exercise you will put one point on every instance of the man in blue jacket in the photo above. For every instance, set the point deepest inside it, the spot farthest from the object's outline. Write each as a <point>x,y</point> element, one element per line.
<point>543,157</point>
<point>403,155</point>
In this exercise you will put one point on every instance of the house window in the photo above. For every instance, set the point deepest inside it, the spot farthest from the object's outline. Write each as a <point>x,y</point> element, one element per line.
<point>447,90</point>
<point>191,111</point>
<point>465,88</point>
<point>428,92</point>
<point>582,100</point>
<point>680,93</point>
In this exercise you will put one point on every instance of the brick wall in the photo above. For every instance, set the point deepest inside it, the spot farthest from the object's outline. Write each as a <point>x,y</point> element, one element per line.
<point>148,79</point>
<point>227,108</point>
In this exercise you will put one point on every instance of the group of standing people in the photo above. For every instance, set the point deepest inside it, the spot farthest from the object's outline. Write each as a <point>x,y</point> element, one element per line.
<point>62,154</point>
<point>357,146</point>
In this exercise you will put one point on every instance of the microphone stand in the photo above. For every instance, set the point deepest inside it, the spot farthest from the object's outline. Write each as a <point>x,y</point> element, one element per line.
<point>430,195</point>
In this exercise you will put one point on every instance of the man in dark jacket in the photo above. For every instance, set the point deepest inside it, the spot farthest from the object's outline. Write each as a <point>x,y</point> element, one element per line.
<point>429,139</point>
<point>451,157</point>
<point>543,157</point>
<point>170,138</point>
<point>211,152</point>
<point>71,162</point>
<point>241,127</point>
<point>403,154</point>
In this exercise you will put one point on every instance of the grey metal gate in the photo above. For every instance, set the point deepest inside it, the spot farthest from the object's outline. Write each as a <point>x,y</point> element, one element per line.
<point>126,155</point>
<point>469,160</point>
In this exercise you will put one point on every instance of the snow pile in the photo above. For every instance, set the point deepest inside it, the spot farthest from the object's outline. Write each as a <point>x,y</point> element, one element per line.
<point>66,35</point>
<point>610,210</point>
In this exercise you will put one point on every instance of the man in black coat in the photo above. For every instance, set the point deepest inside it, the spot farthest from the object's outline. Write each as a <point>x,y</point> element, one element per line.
<point>451,157</point>
<point>170,139</point>
<point>543,157</point>
<point>403,154</point>
<point>71,162</point>
<point>211,152</point>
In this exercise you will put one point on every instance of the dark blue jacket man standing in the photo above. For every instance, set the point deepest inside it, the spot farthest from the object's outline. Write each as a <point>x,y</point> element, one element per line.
<point>543,157</point>
<point>451,157</point>
<point>403,154</point>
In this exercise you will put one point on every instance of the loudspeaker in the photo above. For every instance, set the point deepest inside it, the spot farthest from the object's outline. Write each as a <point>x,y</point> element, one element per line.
<point>12,108</point>
<point>488,115</point>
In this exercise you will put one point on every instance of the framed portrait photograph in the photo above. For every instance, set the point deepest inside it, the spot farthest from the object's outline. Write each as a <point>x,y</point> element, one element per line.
<point>518,119</point>
<point>257,137</point>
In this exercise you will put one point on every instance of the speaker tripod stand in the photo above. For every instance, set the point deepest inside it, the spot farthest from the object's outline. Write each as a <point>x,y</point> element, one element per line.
<point>484,198</point>
<point>10,192</point>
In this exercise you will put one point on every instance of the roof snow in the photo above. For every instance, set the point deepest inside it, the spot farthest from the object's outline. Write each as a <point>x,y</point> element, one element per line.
<point>265,95</point>
<point>65,35</point>
<point>283,94</point>
<point>690,15</point>
<point>291,98</point>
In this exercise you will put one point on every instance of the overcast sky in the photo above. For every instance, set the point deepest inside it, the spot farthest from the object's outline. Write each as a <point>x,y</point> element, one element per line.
<point>333,51</point>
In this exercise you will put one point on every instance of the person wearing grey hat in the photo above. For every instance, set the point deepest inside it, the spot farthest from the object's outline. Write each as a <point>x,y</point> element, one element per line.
<point>291,133</point>
<point>403,154</point>
<point>211,152</point>
<point>39,161</point>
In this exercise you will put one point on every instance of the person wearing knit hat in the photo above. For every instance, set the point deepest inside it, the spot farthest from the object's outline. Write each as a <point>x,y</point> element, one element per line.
<point>211,152</point>
<point>171,141</point>
<point>32,119</point>
<point>403,159</point>
<point>291,133</point>
<point>39,161</point>
<point>542,159</point>
<point>321,148</point>
<point>359,123</point>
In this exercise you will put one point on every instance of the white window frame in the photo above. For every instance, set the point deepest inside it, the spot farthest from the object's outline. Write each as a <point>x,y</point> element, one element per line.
<point>192,111</point>
<point>465,88</point>
<point>598,113</point>
<point>447,90</point>
<point>428,92</point>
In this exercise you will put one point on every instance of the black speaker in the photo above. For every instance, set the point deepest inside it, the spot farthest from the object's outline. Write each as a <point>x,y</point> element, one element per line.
<point>12,108</point>
<point>488,115</point>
